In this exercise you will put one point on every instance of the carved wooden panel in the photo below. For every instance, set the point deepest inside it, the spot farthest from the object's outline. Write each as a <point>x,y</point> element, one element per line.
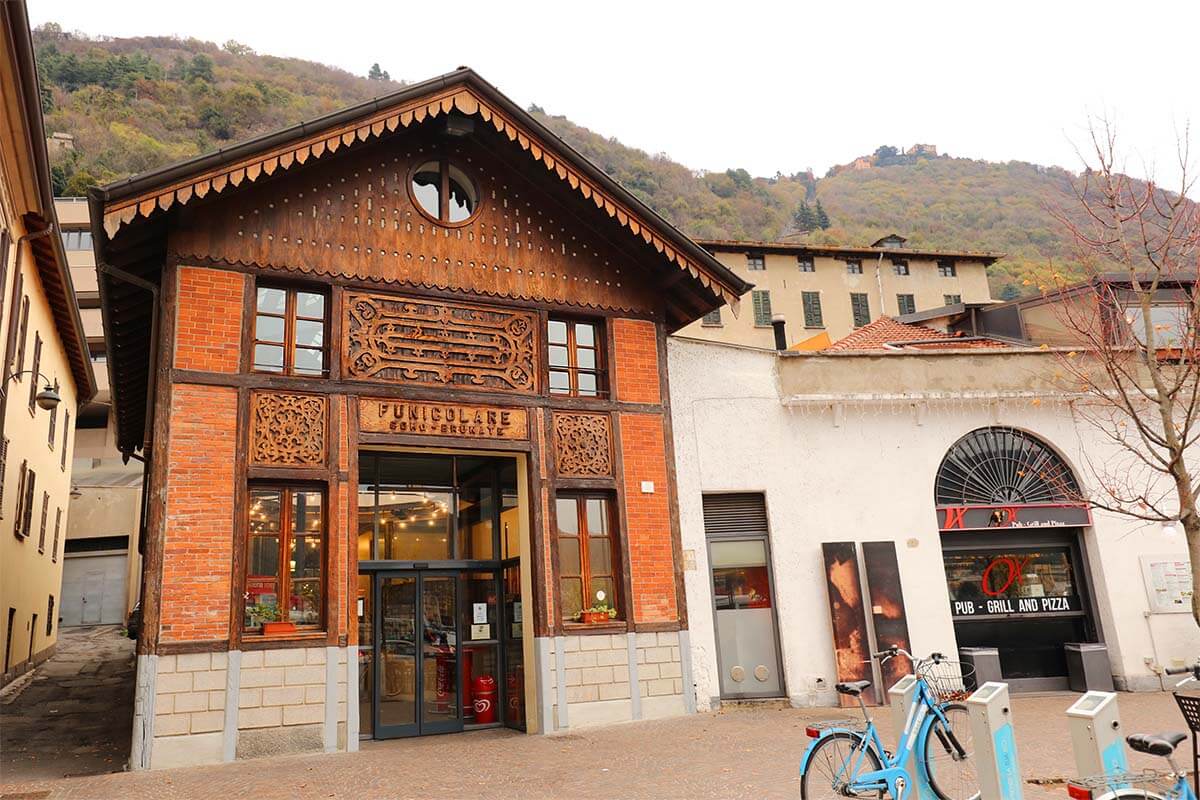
<point>354,216</point>
<point>417,341</point>
<point>583,444</point>
<point>287,430</point>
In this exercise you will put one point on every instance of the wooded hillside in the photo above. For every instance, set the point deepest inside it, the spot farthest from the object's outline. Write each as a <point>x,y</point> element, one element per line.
<point>138,103</point>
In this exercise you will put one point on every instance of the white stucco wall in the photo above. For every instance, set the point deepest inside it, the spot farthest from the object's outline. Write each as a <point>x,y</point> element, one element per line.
<point>869,476</point>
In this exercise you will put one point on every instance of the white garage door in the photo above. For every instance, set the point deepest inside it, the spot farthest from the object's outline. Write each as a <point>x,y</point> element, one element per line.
<point>93,590</point>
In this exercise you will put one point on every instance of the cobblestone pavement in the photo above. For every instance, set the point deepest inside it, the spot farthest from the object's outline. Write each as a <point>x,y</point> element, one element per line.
<point>75,717</point>
<point>743,752</point>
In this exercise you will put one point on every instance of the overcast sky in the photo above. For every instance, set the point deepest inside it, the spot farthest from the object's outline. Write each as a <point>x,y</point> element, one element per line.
<point>780,86</point>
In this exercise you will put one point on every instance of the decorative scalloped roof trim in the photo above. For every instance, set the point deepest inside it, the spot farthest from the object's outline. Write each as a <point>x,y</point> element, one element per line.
<point>461,98</point>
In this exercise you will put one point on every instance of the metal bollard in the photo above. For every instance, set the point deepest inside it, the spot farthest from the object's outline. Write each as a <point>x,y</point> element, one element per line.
<point>1096,735</point>
<point>995,744</point>
<point>900,698</point>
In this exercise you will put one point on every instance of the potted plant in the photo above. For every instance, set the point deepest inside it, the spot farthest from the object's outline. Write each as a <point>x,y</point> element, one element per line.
<point>271,616</point>
<point>599,612</point>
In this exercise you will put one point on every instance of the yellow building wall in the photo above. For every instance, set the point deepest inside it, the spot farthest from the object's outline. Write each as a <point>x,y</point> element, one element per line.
<point>783,278</point>
<point>29,578</point>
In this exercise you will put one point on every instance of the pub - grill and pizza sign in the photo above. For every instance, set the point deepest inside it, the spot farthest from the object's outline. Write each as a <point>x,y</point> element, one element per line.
<point>1048,515</point>
<point>992,606</point>
<point>442,419</point>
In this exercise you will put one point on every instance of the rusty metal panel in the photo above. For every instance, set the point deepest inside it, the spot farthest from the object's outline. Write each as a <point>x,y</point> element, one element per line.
<point>852,646</point>
<point>887,607</point>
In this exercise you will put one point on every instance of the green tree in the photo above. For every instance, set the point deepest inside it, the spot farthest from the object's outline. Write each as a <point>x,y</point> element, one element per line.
<point>822,218</point>
<point>377,74</point>
<point>200,68</point>
<point>804,218</point>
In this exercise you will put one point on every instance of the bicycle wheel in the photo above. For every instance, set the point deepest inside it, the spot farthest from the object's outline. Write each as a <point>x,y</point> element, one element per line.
<point>951,776</point>
<point>833,764</point>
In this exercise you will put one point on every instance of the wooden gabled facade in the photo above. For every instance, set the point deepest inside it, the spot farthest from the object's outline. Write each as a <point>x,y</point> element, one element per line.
<point>433,287</point>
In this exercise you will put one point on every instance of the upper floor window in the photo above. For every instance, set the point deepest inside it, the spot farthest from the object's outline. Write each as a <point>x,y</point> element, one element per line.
<point>951,299</point>
<point>812,309</point>
<point>906,303</point>
<point>900,266</point>
<point>285,557</point>
<point>860,307</point>
<point>77,240</point>
<point>444,193</point>
<point>712,319</point>
<point>805,263</point>
<point>946,268</point>
<point>576,357</point>
<point>761,300</point>
<point>854,267</point>
<point>289,331</point>
<point>756,262</point>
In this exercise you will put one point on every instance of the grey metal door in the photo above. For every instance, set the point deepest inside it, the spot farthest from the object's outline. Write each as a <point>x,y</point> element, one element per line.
<point>93,590</point>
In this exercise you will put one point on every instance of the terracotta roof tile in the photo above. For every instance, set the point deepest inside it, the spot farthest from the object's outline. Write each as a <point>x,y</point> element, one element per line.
<point>887,333</point>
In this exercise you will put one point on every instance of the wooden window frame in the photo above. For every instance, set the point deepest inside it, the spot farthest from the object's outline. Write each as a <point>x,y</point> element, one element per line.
<point>53,429</point>
<point>947,268</point>
<point>22,337</point>
<point>62,457</point>
<point>286,535</point>
<point>35,373</point>
<point>900,267</point>
<point>854,266</point>
<point>289,318</point>
<point>866,301</point>
<point>45,514</point>
<point>765,294</point>
<point>816,320</point>
<point>912,302</point>
<point>22,485</point>
<point>806,263</point>
<point>756,258</point>
<point>582,535</point>
<point>947,298</point>
<point>57,534</point>
<point>712,319</point>
<point>444,163</point>
<point>573,370</point>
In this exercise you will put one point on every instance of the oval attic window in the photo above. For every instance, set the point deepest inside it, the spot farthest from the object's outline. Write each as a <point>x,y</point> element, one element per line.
<point>444,193</point>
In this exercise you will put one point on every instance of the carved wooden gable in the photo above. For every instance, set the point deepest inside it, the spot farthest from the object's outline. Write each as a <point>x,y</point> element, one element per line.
<point>354,216</point>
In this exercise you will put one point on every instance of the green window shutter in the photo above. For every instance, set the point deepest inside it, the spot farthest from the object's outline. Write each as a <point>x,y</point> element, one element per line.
<point>762,307</point>
<point>906,303</point>
<point>812,310</point>
<point>861,308</point>
<point>712,318</point>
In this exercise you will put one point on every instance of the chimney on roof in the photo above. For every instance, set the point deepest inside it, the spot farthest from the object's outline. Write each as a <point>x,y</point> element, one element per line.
<point>777,323</point>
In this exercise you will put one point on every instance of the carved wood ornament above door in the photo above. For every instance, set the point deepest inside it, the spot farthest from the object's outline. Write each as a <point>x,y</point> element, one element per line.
<point>416,341</point>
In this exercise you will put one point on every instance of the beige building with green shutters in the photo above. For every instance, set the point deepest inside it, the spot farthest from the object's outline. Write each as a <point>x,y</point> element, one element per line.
<point>831,290</point>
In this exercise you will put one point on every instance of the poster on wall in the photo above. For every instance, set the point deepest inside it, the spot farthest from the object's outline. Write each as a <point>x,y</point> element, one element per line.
<point>852,647</point>
<point>1168,580</point>
<point>887,606</point>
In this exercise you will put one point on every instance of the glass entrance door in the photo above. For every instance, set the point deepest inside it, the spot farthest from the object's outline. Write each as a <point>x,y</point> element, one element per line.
<point>416,682</point>
<point>747,647</point>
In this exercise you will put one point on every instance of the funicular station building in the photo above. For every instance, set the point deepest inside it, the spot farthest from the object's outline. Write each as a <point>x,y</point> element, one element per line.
<point>398,378</point>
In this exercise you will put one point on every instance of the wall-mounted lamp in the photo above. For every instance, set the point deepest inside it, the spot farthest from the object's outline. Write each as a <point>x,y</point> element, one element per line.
<point>47,398</point>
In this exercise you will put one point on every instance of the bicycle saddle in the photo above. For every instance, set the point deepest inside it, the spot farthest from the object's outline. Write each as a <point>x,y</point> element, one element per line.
<point>852,688</point>
<point>1155,744</point>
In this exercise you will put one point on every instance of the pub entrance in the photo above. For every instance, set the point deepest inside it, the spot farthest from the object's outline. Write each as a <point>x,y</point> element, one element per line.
<point>439,605</point>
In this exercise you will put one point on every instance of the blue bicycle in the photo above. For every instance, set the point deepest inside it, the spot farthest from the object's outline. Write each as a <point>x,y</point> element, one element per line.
<point>1148,784</point>
<point>845,761</point>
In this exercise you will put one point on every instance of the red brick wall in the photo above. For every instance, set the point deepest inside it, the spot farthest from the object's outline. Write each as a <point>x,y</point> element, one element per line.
<point>198,540</point>
<point>648,518</point>
<point>208,324</point>
<point>636,370</point>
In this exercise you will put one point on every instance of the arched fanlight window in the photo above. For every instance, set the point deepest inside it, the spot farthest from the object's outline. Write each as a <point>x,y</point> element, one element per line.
<point>994,466</point>
<point>444,192</point>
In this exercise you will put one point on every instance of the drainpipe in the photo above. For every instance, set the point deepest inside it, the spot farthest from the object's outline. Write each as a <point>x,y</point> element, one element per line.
<point>879,282</point>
